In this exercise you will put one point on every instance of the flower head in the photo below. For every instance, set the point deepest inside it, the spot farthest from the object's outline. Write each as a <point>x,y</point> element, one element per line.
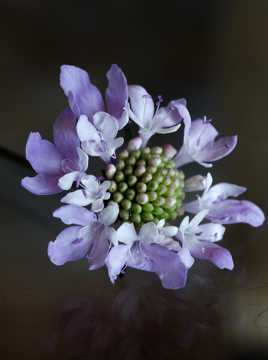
<point>130,215</point>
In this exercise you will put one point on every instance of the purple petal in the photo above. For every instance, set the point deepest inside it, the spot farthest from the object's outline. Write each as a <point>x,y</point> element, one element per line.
<point>99,247</point>
<point>77,215</point>
<point>41,184</point>
<point>117,91</point>
<point>201,133</point>
<point>68,246</point>
<point>174,113</point>
<point>167,265</point>
<point>84,97</point>
<point>218,149</point>
<point>235,211</point>
<point>216,254</point>
<point>43,155</point>
<point>65,136</point>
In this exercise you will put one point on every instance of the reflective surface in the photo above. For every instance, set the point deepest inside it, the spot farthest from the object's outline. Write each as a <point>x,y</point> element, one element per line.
<point>213,53</point>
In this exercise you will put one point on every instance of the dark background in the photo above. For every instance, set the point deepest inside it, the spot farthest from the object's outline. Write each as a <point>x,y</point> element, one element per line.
<point>215,54</point>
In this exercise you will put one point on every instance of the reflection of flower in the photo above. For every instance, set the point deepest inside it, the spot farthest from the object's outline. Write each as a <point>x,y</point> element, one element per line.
<point>142,188</point>
<point>127,326</point>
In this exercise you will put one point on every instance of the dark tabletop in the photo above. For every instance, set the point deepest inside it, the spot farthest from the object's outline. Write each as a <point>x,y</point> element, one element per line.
<point>215,54</point>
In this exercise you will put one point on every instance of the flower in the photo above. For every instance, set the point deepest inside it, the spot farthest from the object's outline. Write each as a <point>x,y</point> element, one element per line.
<point>88,237</point>
<point>93,193</point>
<point>146,251</point>
<point>198,242</point>
<point>85,98</point>
<point>162,120</point>
<point>130,215</point>
<point>223,210</point>
<point>98,139</point>
<point>199,143</point>
<point>57,165</point>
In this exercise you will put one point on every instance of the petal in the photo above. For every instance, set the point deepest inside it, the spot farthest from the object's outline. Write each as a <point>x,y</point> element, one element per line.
<point>148,232</point>
<point>84,98</point>
<point>82,160</point>
<point>201,133</point>
<point>124,118</point>
<point>170,231</point>
<point>167,265</point>
<point>99,248</point>
<point>42,184</point>
<point>216,254</point>
<point>106,124</point>
<point>65,136</point>
<point>168,130</point>
<point>43,155</point>
<point>222,191</point>
<point>67,180</point>
<point>90,182</point>
<point>77,215</point>
<point>116,260</point>
<point>218,149</point>
<point>116,92</point>
<point>142,105</point>
<point>86,131</point>
<point>195,183</point>
<point>97,205</point>
<point>77,197</point>
<point>235,211</point>
<point>126,234</point>
<point>109,214</point>
<point>68,246</point>
<point>186,257</point>
<point>210,232</point>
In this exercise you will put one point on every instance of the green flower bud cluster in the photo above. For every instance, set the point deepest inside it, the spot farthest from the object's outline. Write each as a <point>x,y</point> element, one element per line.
<point>147,186</point>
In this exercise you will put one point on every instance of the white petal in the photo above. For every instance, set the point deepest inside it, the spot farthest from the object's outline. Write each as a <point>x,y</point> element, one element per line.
<point>142,105</point>
<point>222,191</point>
<point>66,181</point>
<point>126,234</point>
<point>198,218</point>
<point>186,257</point>
<point>170,231</point>
<point>90,182</point>
<point>210,232</point>
<point>77,197</point>
<point>116,260</point>
<point>85,130</point>
<point>168,130</point>
<point>109,214</point>
<point>106,124</point>
<point>97,205</point>
<point>149,232</point>
<point>83,160</point>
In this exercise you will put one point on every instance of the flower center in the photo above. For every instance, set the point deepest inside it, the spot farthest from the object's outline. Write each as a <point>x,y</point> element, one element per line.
<point>147,186</point>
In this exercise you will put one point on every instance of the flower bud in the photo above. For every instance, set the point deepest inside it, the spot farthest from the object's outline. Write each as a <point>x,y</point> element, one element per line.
<point>195,183</point>
<point>135,144</point>
<point>169,151</point>
<point>110,171</point>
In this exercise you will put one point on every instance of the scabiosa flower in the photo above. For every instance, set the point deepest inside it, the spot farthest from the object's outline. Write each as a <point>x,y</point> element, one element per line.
<point>132,214</point>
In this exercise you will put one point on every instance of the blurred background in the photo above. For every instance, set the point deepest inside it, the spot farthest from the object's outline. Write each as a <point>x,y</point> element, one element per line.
<point>213,53</point>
